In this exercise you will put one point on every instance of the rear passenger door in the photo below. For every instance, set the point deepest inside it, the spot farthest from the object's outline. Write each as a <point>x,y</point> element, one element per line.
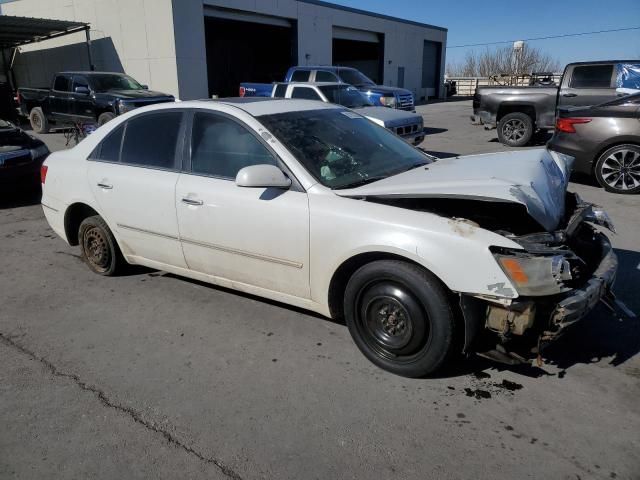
<point>588,85</point>
<point>133,174</point>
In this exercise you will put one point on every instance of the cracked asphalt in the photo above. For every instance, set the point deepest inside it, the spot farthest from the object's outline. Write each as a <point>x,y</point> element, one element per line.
<point>154,376</point>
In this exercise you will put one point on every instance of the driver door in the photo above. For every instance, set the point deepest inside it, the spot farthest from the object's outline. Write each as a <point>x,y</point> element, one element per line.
<point>254,236</point>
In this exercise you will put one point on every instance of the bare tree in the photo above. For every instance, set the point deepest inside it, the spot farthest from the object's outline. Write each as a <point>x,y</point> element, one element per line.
<point>503,60</point>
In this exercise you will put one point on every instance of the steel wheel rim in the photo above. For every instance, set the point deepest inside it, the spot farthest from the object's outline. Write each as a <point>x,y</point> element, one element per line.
<point>386,316</point>
<point>621,170</point>
<point>36,121</point>
<point>514,129</point>
<point>96,249</point>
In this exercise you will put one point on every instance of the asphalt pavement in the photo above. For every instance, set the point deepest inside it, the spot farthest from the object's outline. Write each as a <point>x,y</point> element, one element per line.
<point>154,376</point>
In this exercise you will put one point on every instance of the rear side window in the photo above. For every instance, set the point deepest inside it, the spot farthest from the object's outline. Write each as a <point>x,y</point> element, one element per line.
<point>281,90</point>
<point>62,83</point>
<point>305,93</point>
<point>592,76</point>
<point>151,140</point>
<point>322,76</point>
<point>301,76</point>
<point>220,147</point>
<point>109,150</point>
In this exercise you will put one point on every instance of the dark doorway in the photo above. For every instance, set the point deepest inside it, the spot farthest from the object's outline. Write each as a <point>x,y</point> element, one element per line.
<point>246,52</point>
<point>365,56</point>
<point>431,56</point>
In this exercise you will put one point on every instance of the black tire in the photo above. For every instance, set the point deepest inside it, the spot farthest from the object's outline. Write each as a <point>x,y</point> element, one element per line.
<point>617,170</point>
<point>515,129</point>
<point>105,117</point>
<point>38,120</point>
<point>99,248</point>
<point>400,317</point>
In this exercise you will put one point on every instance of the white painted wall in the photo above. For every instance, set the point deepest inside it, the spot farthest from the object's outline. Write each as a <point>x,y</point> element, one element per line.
<point>132,36</point>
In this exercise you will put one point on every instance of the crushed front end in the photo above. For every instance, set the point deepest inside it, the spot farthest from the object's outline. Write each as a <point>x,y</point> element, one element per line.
<point>560,276</point>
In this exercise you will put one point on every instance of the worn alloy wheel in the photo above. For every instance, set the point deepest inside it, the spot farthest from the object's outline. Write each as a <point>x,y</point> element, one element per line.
<point>618,169</point>
<point>98,246</point>
<point>399,317</point>
<point>515,129</point>
<point>38,121</point>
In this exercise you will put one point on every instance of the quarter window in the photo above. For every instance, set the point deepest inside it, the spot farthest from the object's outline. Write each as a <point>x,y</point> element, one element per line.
<point>151,140</point>
<point>62,83</point>
<point>221,147</point>
<point>110,147</point>
<point>305,93</point>
<point>301,76</point>
<point>281,90</point>
<point>592,76</point>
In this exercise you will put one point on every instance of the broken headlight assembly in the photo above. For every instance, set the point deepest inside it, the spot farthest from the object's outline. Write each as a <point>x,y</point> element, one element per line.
<point>536,275</point>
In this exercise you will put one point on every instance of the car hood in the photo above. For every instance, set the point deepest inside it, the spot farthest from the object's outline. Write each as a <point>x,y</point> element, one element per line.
<point>384,89</point>
<point>534,178</point>
<point>137,94</point>
<point>390,116</point>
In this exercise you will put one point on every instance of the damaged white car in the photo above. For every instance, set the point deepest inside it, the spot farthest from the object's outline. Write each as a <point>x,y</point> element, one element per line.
<point>310,204</point>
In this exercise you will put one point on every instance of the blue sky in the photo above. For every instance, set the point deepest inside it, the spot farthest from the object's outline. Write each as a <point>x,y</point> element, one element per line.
<point>471,21</point>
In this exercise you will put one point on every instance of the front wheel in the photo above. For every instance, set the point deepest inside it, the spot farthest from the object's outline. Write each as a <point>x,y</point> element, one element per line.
<point>618,169</point>
<point>400,318</point>
<point>105,117</point>
<point>99,247</point>
<point>515,129</point>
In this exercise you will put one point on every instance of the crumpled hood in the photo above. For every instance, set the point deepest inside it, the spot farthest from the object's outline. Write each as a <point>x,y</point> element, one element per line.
<point>390,116</point>
<point>535,178</point>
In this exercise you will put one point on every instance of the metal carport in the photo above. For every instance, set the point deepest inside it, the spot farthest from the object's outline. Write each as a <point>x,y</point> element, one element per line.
<point>18,31</point>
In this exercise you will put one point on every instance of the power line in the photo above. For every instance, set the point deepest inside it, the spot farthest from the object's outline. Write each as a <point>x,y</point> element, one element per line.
<point>546,38</point>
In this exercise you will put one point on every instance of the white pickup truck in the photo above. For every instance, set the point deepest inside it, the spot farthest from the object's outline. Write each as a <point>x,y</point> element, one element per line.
<point>408,125</point>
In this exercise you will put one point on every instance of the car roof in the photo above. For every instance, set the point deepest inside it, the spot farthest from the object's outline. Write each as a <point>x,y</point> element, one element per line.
<point>603,62</point>
<point>257,106</point>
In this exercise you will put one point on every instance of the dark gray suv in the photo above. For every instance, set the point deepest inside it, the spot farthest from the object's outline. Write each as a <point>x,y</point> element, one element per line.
<point>605,141</point>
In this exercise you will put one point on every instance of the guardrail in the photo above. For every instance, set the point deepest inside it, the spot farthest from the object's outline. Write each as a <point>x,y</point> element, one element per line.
<point>466,86</point>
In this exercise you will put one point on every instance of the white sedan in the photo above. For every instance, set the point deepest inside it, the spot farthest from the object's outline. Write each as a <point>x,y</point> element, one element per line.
<point>312,205</point>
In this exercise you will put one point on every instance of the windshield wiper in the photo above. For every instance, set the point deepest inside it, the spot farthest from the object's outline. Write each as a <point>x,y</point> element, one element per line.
<point>362,181</point>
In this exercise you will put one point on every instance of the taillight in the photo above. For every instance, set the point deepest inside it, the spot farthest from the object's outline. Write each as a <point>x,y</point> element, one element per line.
<point>43,173</point>
<point>242,91</point>
<point>566,125</point>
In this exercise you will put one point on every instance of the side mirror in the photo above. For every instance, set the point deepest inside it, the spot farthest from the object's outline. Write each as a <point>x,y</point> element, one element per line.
<point>262,176</point>
<point>145,87</point>
<point>82,90</point>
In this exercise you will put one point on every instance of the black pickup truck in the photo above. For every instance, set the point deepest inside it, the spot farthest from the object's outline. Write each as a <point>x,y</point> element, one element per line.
<point>518,112</point>
<point>95,97</point>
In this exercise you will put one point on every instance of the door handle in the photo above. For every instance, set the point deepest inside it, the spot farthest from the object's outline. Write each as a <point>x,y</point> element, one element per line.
<point>105,186</point>
<point>569,95</point>
<point>191,201</point>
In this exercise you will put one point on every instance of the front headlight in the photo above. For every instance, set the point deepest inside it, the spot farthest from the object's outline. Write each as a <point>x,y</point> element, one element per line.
<point>39,151</point>
<point>536,276</point>
<point>388,102</point>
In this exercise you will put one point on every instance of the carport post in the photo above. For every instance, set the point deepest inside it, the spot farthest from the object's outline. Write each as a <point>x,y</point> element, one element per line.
<point>91,66</point>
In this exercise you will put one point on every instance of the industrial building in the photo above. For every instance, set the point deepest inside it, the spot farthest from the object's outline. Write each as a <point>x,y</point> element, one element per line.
<point>198,48</point>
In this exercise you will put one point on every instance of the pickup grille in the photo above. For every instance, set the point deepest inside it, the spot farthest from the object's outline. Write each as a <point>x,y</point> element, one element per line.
<point>405,102</point>
<point>407,129</point>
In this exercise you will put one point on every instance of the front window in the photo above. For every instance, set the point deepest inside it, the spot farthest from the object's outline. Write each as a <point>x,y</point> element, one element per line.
<point>342,149</point>
<point>354,77</point>
<point>345,95</point>
<point>104,83</point>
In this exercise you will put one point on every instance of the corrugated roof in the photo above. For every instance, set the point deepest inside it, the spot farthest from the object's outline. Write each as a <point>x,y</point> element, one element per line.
<point>16,31</point>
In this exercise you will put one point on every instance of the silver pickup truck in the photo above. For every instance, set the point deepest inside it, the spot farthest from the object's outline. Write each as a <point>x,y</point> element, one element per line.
<point>518,112</point>
<point>407,125</point>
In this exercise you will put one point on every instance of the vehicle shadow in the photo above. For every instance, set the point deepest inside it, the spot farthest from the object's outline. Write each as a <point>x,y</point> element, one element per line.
<point>20,196</point>
<point>540,139</point>
<point>433,130</point>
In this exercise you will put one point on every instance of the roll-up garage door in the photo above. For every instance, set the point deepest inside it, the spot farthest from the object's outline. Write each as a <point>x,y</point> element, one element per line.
<point>361,49</point>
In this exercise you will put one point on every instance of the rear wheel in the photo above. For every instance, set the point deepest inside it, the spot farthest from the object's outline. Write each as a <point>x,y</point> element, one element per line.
<point>99,248</point>
<point>38,121</point>
<point>400,318</point>
<point>105,117</point>
<point>618,169</point>
<point>515,129</point>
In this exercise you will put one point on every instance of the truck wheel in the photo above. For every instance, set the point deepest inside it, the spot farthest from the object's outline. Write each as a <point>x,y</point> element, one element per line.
<point>515,129</point>
<point>99,247</point>
<point>105,117</point>
<point>399,317</point>
<point>38,120</point>
<point>618,169</point>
